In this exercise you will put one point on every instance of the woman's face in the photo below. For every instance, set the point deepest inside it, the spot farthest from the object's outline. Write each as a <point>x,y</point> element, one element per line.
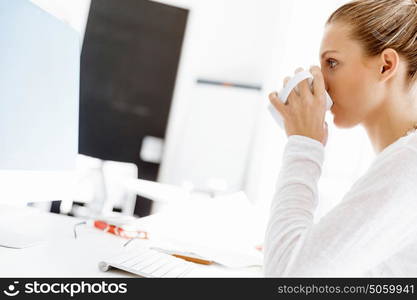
<point>350,77</point>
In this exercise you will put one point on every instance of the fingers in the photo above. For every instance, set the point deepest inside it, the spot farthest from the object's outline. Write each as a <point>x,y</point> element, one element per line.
<point>318,84</point>
<point>326,133</point>
<point>285,82</point>
<point>303,86</point>
<point>277,103</point>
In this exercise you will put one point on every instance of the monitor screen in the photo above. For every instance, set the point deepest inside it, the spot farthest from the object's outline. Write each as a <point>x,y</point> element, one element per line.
<point>39,89</point>
<point>129,63</point>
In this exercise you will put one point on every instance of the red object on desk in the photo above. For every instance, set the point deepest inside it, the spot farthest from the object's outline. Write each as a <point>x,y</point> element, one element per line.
<point>120,231</point>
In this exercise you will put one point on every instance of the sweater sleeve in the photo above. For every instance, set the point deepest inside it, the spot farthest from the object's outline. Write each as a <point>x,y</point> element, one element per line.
<point>375,219</point>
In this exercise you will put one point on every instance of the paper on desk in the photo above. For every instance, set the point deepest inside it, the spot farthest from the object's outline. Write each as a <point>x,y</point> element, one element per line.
<point>232,258</point>
<point>224,229</point>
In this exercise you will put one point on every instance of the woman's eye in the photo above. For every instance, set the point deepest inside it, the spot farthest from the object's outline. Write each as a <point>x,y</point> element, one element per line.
<point>332,63</point>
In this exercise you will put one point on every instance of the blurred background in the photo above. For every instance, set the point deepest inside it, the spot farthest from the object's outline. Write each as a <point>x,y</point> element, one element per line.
<point>176,92</point>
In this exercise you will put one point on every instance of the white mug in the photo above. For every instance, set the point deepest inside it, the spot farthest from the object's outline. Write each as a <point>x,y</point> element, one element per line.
<point>285,92</point>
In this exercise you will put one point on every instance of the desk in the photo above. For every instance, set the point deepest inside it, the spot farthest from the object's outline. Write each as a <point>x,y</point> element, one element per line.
<point>64,256</point>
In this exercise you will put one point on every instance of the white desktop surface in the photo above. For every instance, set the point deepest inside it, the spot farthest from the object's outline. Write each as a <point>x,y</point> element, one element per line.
<point>61,255</point>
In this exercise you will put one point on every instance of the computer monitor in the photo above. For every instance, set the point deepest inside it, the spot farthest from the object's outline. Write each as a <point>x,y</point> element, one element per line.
<point>129,63</point>
<point>39,100</point>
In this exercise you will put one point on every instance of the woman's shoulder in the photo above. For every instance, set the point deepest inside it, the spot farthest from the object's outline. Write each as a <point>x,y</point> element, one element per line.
<point>392,173</point>
<point>397,164</point>
<point>398,160</point>
<point>404,148</point>
<point>410,141</point>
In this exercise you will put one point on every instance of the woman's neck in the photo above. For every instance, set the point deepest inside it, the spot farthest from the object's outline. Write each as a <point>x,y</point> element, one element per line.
<point>390,122</point>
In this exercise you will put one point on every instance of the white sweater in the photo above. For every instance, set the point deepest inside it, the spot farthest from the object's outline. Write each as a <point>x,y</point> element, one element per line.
<point>371,232</point>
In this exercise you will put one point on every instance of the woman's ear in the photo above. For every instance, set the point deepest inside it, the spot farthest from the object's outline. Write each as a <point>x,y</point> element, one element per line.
<point>389,63</point>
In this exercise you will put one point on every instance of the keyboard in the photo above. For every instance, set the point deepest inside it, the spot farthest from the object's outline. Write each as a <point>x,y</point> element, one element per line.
<point>147,262</point>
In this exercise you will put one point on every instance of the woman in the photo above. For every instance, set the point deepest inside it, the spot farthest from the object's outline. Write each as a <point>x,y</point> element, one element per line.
<point>369,67</point>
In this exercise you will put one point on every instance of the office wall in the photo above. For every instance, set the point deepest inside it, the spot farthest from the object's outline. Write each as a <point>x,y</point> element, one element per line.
<point>211,128</point>
<point>226,40</point>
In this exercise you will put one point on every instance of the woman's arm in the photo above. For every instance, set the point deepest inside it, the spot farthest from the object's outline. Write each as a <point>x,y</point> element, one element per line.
<point>375,219</point>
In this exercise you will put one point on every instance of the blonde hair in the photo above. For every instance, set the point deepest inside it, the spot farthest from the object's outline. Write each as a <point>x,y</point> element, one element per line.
<point>382,24</point>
